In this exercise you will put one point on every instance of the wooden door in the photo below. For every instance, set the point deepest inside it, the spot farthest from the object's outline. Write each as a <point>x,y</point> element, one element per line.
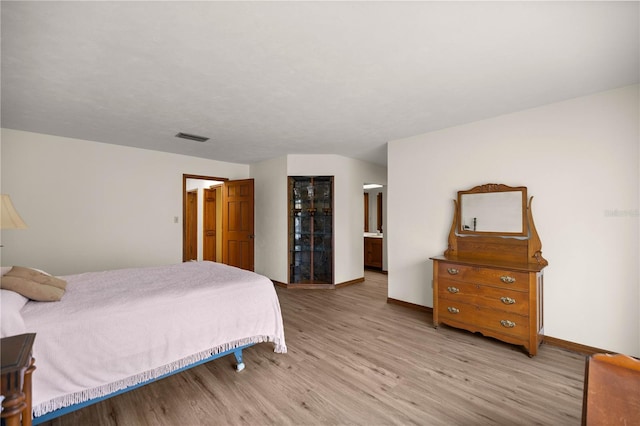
<point>379,210</point>
<point>366,212</point>
<point>209,225</point>
<point>190,234</point>
<point>237,224</point>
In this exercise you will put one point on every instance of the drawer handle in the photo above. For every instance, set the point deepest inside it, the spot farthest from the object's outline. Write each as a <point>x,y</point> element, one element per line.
<point>507,300</point>
<point>453,310</point>
<point>452,271</point>
<point>507,279</point>
<point>453,290</point>
<point>507,323</point>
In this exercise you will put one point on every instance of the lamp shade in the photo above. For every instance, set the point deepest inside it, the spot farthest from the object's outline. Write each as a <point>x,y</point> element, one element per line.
<point>9,217</point>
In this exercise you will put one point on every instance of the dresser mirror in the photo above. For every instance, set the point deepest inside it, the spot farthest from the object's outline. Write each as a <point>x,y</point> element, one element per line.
<point>494,221</point>
<point>493,209</point>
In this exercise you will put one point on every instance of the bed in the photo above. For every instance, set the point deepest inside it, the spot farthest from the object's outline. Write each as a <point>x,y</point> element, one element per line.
<point>117,330</point>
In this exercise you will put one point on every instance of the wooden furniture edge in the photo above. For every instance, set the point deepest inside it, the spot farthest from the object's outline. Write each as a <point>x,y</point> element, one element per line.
<point>608,392</point>
<point>618,360</point>
<point>534,248</point>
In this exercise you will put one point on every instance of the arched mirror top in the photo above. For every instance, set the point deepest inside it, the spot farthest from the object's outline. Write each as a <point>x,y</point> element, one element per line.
<point>494,222</point>
<point>493,209</point>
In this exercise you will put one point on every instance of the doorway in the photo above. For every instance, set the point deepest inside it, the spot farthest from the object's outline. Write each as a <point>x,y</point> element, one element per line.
<point>375,250</point>
<point>374,207</point>
<point>202,218</point>
<point>223,220</point>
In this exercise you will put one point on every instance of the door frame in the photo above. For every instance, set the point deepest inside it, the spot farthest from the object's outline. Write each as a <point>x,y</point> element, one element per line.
<point>184,199</point>
<point>190,226</point>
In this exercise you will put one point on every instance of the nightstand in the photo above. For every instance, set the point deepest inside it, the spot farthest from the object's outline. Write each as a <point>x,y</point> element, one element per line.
<point>17,367</point>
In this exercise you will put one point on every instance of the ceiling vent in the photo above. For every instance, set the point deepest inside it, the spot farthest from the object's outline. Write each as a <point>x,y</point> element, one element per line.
<point>192,137</point>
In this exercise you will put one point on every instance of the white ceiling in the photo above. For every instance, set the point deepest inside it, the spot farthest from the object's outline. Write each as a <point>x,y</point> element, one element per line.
<point>266,79</point>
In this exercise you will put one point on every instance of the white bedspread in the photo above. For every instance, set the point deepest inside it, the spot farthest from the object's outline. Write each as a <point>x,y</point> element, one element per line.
<point>114,329</point>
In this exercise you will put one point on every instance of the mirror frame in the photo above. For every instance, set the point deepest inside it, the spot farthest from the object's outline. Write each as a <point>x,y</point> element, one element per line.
<point>491,188</point>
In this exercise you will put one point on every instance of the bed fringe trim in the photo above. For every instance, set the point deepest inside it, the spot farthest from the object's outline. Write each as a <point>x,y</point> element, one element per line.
<point>100,391</point>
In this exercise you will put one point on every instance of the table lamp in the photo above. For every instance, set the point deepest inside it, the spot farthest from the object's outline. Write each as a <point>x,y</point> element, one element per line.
<point>9,217</point>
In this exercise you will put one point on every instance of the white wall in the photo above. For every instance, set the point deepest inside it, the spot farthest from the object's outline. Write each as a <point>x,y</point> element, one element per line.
<point>580,160</point>
<point>271,210</point>
<point>271,230</point>
<point>93,206</point>
<point>349,176</point>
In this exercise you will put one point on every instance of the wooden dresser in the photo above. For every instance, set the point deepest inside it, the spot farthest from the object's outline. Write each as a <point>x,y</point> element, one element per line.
<point>491,282</point>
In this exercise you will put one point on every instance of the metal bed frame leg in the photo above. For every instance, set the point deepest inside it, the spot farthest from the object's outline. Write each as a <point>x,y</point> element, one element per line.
<point>240,364</point>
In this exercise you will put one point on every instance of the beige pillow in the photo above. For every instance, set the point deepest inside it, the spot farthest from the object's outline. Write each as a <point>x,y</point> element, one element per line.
<point>33,284</point>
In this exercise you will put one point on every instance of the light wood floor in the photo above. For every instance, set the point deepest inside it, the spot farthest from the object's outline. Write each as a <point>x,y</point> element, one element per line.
<point>355,359</point>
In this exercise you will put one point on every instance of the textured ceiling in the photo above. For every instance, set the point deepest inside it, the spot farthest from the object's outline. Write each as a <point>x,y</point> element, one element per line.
<point>266,79</point>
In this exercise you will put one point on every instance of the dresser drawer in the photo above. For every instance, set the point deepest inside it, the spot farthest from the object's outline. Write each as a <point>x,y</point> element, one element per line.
<point>489,276</point>
<point>480,319</point>
<point>501,299</point>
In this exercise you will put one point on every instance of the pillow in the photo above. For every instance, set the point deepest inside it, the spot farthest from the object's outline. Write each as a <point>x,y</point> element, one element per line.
<point>5,269</point>
<point>35,285</point>
<point>11,319</point>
